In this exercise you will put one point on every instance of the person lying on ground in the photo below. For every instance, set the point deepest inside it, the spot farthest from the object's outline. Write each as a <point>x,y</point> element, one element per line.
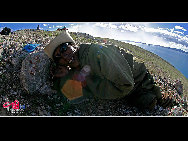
<point>104,72</point>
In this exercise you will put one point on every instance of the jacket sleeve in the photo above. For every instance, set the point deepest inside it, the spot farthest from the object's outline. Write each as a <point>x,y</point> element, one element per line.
<point>113,74</point>
<point>111,65</point>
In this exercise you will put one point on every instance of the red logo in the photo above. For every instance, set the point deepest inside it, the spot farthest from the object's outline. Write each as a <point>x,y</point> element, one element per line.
<point>15,104</point>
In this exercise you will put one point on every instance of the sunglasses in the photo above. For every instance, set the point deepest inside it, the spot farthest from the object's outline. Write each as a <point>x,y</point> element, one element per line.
<point>64,47</point>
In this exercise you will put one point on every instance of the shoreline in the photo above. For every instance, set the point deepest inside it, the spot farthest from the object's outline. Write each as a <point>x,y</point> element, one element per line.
<point>174,64</point>
<point>134,43</point>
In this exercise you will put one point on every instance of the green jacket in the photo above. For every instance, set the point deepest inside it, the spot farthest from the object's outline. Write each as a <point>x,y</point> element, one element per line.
<point>111,76</point>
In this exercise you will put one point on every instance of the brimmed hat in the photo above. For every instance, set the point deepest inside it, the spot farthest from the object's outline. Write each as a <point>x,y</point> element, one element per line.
<point>61,38</point>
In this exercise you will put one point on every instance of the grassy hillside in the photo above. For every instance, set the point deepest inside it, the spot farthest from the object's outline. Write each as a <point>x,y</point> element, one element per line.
<point>155,64</point>
<point>55,104</point>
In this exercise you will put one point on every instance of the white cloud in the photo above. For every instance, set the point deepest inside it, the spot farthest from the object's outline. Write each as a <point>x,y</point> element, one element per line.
<point>138,24</point>
<point>76,28</point>
<point>179,32</point>
<point>113,26</point>
<point>179,27</point>
<point>1,28</point>
<point>102,24</point>
<point>144,33</point>
<point>129,27</point>
<point>44,24</point>
<point>59,26</point>
<point>171,30</point>
<point>107,25</point>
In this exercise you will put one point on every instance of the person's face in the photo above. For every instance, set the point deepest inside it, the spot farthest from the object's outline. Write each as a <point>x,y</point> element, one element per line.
<point>75,63</point>
<point>68,55</point>
<point>69,58</point>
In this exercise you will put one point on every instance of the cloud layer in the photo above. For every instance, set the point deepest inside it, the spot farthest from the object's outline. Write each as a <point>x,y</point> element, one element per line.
<point>138,32</point>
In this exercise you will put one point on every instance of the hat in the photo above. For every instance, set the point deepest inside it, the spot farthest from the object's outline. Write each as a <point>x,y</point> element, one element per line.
<point>63,37</point>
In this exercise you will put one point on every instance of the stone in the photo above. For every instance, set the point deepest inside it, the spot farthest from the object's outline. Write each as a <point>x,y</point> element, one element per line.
<point>35,72</point>
<point>46,89</point>
<point>179,87</point>
<point>1,51</point>
<point>15,61</point>
<point>5,31</point>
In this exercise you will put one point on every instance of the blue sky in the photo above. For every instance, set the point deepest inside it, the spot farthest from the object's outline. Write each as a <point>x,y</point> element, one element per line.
<point>43,26</point>
<point>174,35</point>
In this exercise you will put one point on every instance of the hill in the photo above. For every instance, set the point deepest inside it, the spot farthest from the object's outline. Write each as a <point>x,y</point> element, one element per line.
<point>165,75</point>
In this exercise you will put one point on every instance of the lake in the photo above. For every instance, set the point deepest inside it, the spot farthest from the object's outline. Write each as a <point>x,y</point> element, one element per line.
<point>178,59</point>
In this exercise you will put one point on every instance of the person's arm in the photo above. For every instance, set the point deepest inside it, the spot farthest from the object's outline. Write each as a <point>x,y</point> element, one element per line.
<point>111,76</point>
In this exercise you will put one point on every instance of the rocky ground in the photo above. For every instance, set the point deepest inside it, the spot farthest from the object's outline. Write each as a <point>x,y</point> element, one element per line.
<point>52,103</point>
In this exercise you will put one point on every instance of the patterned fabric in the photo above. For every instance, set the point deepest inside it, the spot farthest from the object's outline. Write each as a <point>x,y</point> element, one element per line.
<point>72,89</point>
<point>35,71</point>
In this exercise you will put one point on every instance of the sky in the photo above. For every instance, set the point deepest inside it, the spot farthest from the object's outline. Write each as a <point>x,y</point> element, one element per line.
<point>174,35</point>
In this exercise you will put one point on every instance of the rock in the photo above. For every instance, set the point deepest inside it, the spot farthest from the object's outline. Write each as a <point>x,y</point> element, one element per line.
<point>5,31</point>
<point>41,113</point>
<point>33,114</point>
<point>3,112</point>
<point>35,71</point>
<point>179,87</point>
<point>15,62</point>
<point>46,89</point>
<point>14,93</point>
<point>7,66</point>
<point>1,51</point>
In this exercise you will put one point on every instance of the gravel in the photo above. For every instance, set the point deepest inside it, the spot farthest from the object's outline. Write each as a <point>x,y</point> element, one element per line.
<point>54,104</point>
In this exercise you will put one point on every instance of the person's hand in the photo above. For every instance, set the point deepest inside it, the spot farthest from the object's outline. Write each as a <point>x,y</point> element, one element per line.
<point>79,77</point>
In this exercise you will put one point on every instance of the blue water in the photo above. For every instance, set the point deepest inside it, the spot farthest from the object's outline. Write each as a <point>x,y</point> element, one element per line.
<point>178,59</point>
